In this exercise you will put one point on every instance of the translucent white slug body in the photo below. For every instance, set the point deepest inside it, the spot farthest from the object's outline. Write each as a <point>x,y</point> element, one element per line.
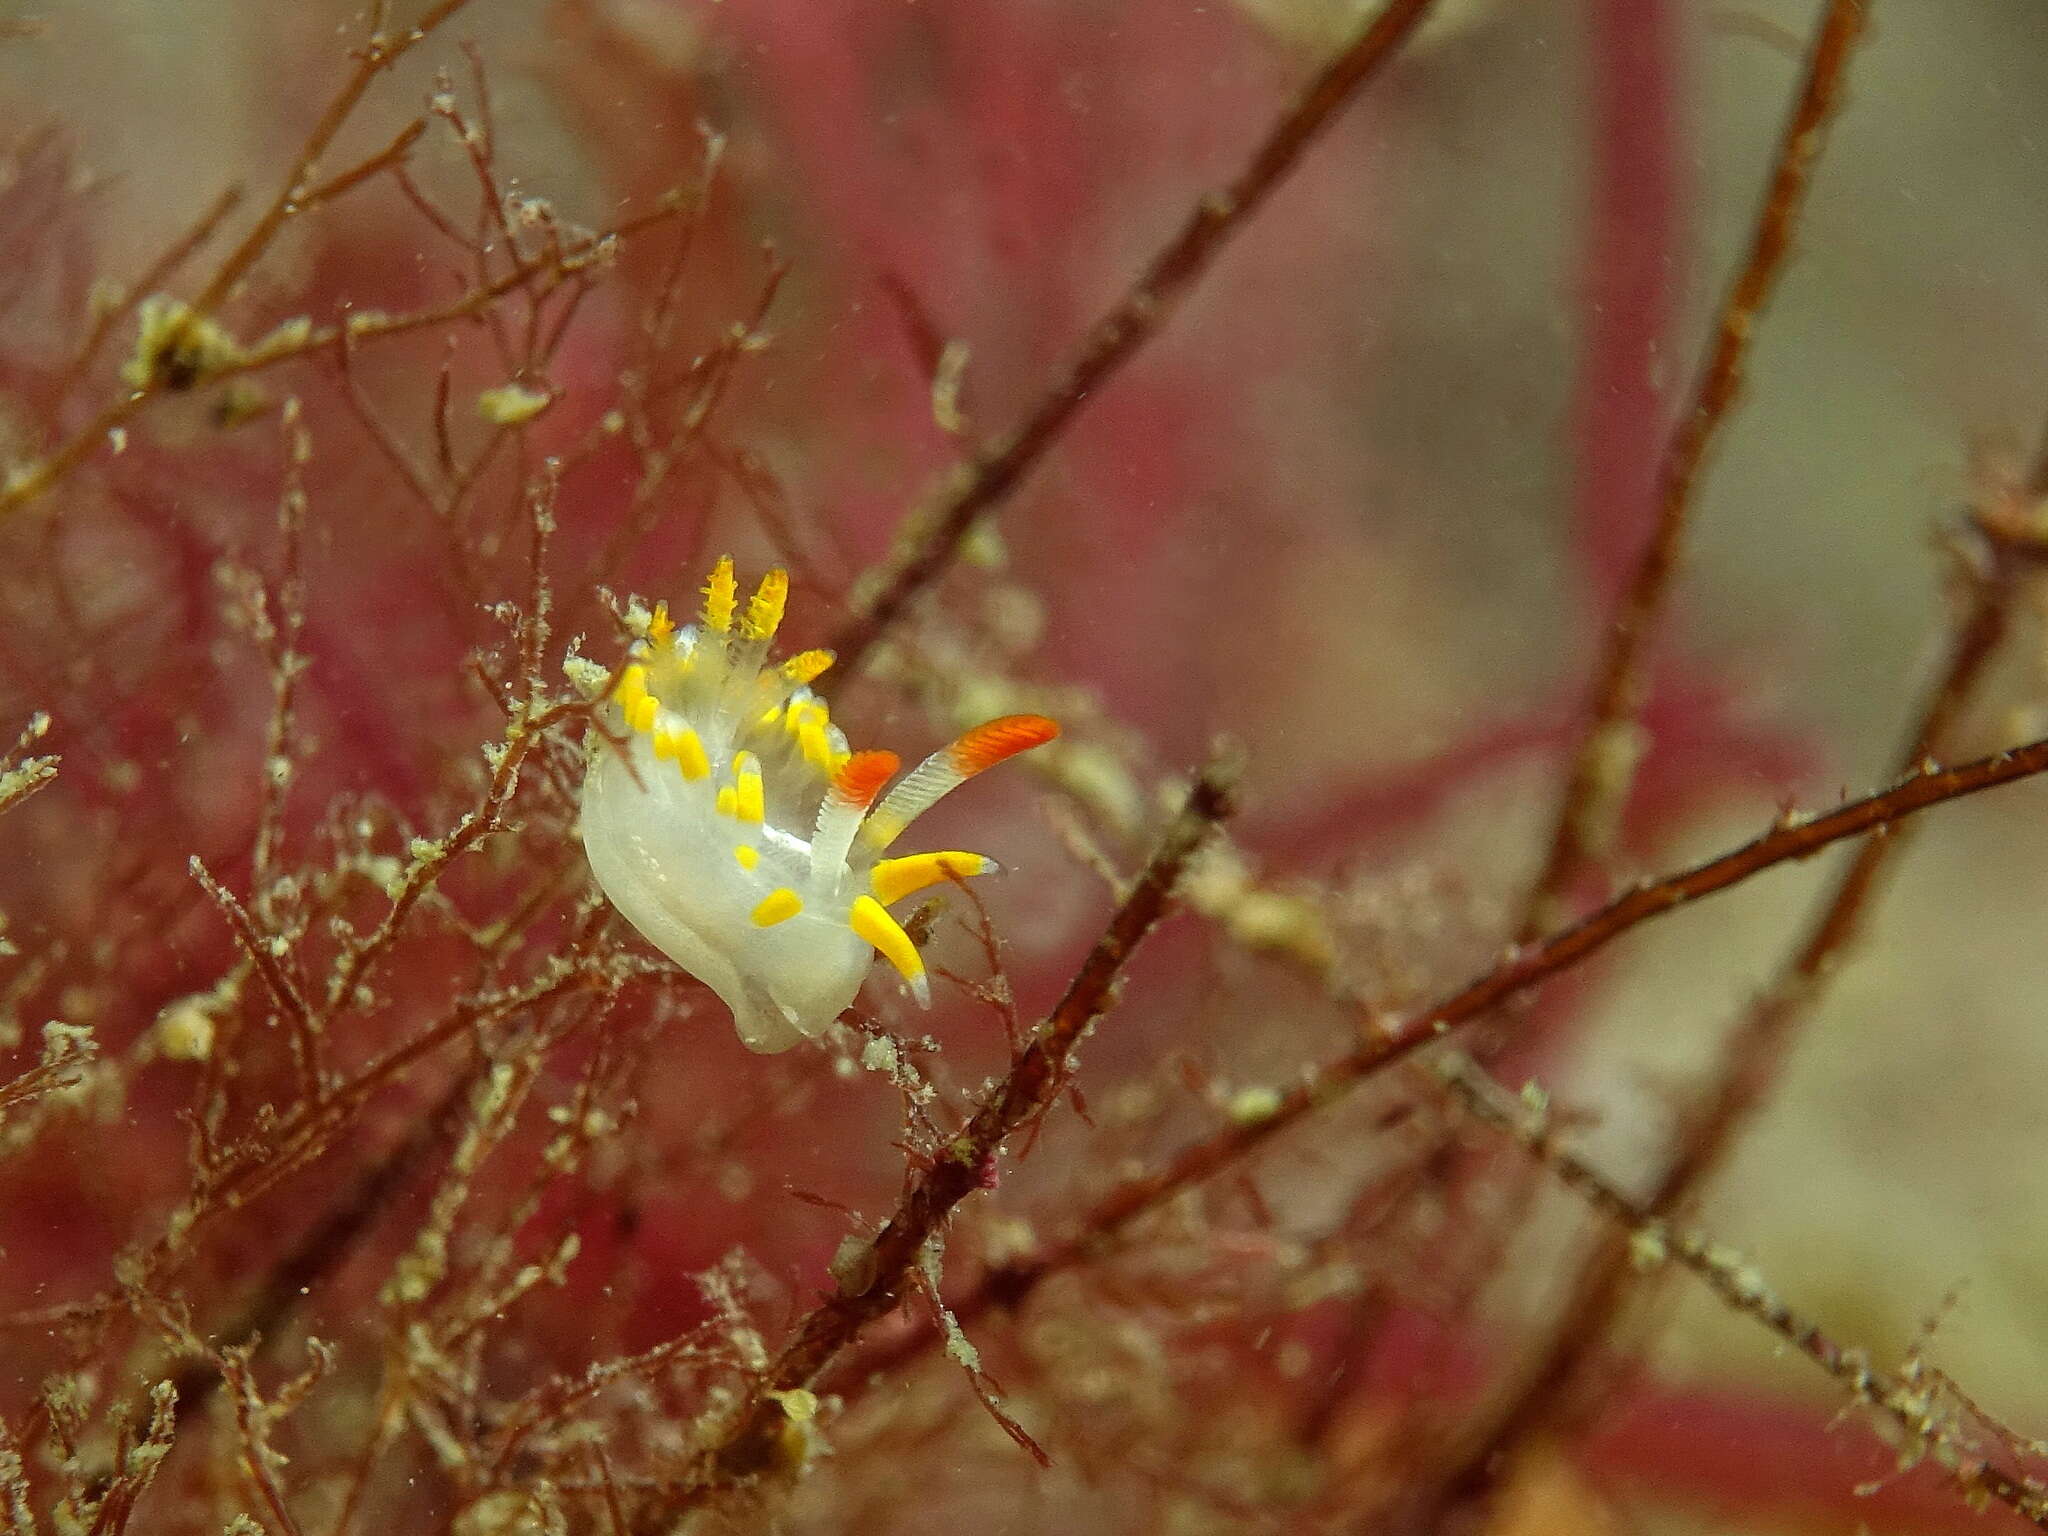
<point>736,831</point>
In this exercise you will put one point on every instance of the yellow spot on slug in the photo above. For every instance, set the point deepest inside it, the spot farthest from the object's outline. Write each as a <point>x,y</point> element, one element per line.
<point>749,857</point>
<point>728,801</point>
<point>871,920</point>
<point>690,754</point>
<point>894,879</point>
<point>817,751</point>
<point>750,803</point>
<point>721,595</point>
<point>779,906</point>
<point>764,612</point>
<point>642,713</point>
<point>632,687</point>
<point>677,743</point>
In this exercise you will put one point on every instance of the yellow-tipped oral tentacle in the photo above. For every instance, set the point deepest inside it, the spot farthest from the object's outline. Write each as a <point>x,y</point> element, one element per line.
<point>894,879</point>
<point>871,920</point>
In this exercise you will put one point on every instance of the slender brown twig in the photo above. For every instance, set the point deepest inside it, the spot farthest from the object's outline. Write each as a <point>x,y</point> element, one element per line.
<point>281,637</point>
<point>1751,1055</point>
<point>390,157</point>
<point>253,1423</point>
<point>968,1162</point>
<point>934,530</point>
<point>1392,1038</point>
<point>1612,741</point>
<point>37,479</point>
<point>1738,1284</point>
<point>21,775</point>
<point>1604,765</point>
<point>272,964</point>
<point>378,54</point>
<point>153,277</point>
<point>325,1245</point>
<point>432,857</point>
<point>294,195</point>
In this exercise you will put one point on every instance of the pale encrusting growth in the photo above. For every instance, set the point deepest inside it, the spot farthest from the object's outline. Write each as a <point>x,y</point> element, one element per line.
<point>733,826</point>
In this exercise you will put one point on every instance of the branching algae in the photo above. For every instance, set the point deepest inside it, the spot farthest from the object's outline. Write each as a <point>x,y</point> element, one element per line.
<point>733,826</point>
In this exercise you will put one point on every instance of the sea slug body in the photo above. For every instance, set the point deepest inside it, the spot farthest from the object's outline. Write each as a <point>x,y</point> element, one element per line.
<point>727,819</point>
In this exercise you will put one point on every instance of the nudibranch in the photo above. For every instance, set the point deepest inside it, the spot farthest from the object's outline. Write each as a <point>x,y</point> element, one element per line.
<point>727,819</point>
